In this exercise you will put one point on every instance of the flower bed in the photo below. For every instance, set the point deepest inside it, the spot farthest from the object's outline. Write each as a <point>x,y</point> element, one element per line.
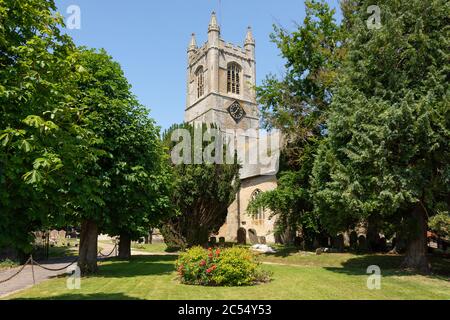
<point>234,266</point>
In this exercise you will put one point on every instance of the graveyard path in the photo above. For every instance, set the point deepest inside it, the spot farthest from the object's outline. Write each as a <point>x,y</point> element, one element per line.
<point>24,279</point>
<point>108,247</point>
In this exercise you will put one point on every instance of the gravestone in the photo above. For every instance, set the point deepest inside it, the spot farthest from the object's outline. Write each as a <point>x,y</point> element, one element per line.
<point>353,240</point>
<point>383,244</point>
<point>362,243</point>
<point>53,239</point>
<point>298,241</point>
<point>252,235</point>
<point>241,236</point>
<point>62,234</point>
<point>338,243</point>
<point>346,239</point>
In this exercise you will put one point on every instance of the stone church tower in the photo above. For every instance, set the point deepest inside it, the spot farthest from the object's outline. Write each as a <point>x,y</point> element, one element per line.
<point>220,89</point>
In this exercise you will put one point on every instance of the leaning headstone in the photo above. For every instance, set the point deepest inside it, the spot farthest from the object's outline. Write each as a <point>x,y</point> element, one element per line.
<point>253,236</point>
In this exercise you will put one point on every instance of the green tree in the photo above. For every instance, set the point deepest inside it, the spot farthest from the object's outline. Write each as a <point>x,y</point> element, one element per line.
<point>140,181</point>
<point>202,192</point>
<point>126,189</point>
<point>297,106</point>
<point>41,131</point>
<point>387,150</point>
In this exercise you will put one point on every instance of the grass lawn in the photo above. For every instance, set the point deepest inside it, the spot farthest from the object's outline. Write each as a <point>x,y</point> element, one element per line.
<point>330,276</point>
<point>63,250</point>
<point>151,247</point>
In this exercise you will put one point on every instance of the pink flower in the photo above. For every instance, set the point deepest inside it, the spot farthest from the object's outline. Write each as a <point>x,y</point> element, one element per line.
<point>202,263</point>
<point>208,270</point>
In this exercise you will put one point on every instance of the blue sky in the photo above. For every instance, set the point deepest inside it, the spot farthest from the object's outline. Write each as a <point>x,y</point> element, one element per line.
<point>149,39</point>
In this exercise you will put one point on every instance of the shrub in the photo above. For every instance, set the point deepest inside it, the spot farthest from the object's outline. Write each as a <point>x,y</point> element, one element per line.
<point>234,266</point>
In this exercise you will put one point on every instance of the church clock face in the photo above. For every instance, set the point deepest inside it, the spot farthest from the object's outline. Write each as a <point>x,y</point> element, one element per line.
<point>236,111</point>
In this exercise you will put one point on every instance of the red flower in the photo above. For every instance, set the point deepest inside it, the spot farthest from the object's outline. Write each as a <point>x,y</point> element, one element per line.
<point>213,267</point>
<point>209,249</point>
<point>202,263</point>
<point>208,270</point>
<point>217,252</point>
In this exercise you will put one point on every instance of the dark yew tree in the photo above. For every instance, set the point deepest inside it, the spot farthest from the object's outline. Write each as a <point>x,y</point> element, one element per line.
<point>201,194</point>
<point>297,105</point>
<point>388,146</point>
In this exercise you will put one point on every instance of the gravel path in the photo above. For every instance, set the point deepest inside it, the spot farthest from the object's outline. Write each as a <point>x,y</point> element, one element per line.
<point>24,279</point>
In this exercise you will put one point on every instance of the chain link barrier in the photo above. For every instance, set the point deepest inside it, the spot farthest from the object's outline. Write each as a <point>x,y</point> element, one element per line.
<point>51,269</point>
<point>33,262</point>
<point>17,273</point>
<point>108,255</point>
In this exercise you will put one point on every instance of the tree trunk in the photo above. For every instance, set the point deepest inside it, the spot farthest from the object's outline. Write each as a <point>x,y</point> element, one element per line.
<point>88,247</point>
<point>125,246</point>
<point>148,239</point>
<point>373,238</point>
<point>416,247</point>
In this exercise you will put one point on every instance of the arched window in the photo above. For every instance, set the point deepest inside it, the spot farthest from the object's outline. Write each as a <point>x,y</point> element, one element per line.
<point>234,78</point>
<point>260,214</point>
<point>200,82</point>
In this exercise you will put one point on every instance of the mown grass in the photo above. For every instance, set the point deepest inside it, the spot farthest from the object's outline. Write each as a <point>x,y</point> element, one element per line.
<point>331,276</point>
<point>151,247</point>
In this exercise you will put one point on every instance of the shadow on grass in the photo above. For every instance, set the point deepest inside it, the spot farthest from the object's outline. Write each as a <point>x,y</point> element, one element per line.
<point>94,296</point>
<point>390,265</point>
<point>284,251</point>
<point>137,266</point>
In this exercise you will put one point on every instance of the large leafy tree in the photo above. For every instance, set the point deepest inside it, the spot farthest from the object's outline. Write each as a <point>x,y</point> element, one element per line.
<point>140,181</point>
<point>297,105</point>
<point>76,147</point>
<point>387,152</point>
<point>126,189</point>
<point>202,192</point>
<point>42,138</point>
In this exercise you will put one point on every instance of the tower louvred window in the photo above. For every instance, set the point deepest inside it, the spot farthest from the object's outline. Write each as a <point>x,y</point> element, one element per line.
<point>233,78</point>
<point>200,82</point>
